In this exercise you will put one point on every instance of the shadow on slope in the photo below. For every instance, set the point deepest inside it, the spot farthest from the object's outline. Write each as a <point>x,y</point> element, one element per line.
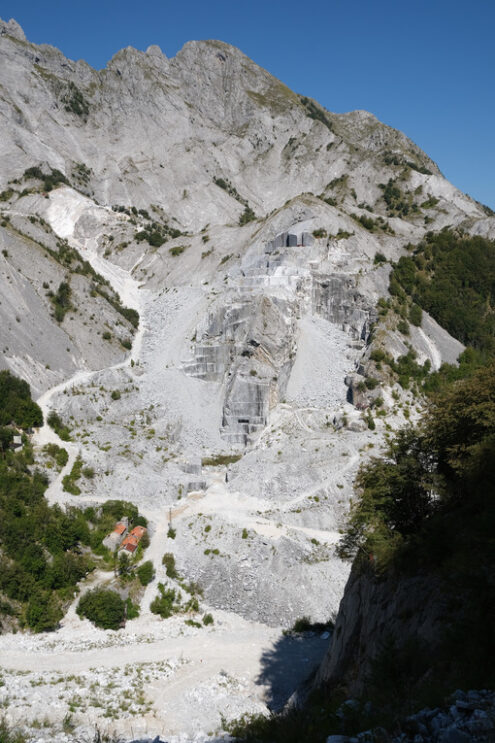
<point>288,663</point>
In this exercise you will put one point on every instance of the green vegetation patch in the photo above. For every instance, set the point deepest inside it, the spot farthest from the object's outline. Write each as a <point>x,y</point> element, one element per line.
<point>16,405</point>
<point>60,428</point>
<point>58,453</point>
<point>103,607</point>
<point>220,459</point>
<point>316,112</point>
<point>61,300</point>
<point>166,603</point>
<point>69,482</point>
<point>398,203</point>
<point>75,102</point>
<point>49,180</point>
<point>145,573</point>
<point>452,276</point>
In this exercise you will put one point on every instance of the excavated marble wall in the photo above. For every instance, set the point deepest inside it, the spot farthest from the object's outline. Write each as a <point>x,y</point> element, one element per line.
<point>289,240</point>
<point>248,342</point>
<point>336,298</point>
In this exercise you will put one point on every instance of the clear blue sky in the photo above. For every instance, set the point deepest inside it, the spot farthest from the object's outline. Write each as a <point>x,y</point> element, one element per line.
<point>423,66</point>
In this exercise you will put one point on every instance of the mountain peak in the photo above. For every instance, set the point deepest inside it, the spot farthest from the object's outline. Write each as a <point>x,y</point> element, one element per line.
<point>12,28</point>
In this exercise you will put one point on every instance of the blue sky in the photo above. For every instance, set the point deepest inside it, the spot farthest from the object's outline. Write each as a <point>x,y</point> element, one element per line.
<point>424,66</point>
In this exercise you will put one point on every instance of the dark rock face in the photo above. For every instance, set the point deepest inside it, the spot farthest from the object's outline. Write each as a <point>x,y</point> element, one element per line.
<point>375,612</point>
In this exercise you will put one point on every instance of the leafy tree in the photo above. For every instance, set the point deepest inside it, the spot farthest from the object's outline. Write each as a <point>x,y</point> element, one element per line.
<point>145,573</point>
<point>6,438</point>
<point>445,463</point>
<point>43,611</point>
<point>16,405</point>
<point>102,607</point>
<point>124,567</point>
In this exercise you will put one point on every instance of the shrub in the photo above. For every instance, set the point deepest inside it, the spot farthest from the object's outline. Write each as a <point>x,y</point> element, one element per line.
<point>371,383</point>
<point>177,250</point>
<point>131,610</point>
<point>69,481</point>
<point>145,573</point>
<point>43,611</point>
<point>207,619</point>
<point>245,533</point>
<point>61,301</point>
<point>247,216</point>
<point>75,102</point>
<point>430,203</point>
<point>165,604</point>
<point>303,624</point>
<point>102,607</point>
<point>169,561</point>
<point>171,534</point>
<point>379,258</point>
<point>415,315</point>
<point>115,395</point>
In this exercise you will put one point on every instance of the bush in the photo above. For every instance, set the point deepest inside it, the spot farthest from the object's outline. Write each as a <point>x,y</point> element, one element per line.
<point>59,454</point>
<point>10,735</point>
<point>247,216</point>
<point>166,603</point>
<point>145,573</point>
<point>177,250</point>
<point>102,607</point>
<point>115,395</point>
<point>207,619</point>
<point>303,624</point>
<point>69,481</point>
<point>75,102</point>
<point>171,533</point>
<point>371,383</point>
<point>415,315</point>
<point>60,428</point>
<point>61,301</point>
<point>169,561</point>
<point>43,612</point>
<point>131,610</point>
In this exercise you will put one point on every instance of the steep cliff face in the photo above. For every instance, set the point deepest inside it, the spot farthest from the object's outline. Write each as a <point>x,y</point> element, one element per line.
<point>379,616</point>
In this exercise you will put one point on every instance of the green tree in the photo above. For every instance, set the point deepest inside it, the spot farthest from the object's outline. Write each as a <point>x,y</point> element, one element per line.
<point>145,573</point>
<point>6,438</point>
<point>102,607</point>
